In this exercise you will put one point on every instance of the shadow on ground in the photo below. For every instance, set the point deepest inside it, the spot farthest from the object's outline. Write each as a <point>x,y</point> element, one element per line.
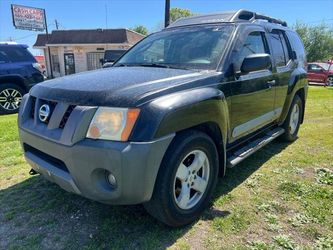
<point>36,213</point>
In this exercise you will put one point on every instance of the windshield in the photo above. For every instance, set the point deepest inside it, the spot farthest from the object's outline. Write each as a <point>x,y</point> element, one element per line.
<point>191,48</point>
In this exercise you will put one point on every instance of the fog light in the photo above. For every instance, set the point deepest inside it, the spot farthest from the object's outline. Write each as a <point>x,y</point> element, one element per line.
<point>112,179</point>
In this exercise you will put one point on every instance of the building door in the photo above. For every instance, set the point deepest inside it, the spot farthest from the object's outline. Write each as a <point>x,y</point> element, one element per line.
<point>94,60</point>
<point>69,63</point>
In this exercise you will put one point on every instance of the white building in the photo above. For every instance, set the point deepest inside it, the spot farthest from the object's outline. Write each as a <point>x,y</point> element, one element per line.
<point>74,51</point>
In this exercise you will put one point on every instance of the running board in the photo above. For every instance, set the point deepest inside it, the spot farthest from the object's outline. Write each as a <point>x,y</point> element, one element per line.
<point>252,147</point>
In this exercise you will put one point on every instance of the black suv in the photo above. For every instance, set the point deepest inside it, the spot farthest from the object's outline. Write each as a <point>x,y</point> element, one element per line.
<point>171,115</point>
<point>19,71</point>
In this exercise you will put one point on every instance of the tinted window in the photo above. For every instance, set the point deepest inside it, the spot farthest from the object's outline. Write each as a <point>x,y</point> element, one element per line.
<point>254,44</point>
<point>3,57</point>
<point>286,48</point>
<point>192,47</point>
<point>297,46</point>
<point>279,48</point>
<point>314,67</point>
<point>16,54</point>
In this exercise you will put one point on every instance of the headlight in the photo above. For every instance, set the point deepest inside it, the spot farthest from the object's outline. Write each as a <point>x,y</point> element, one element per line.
<point>112,123</point>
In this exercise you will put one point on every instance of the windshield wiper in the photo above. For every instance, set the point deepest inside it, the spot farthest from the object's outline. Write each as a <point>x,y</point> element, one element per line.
<point>122,65</point>
<point>156,65</point>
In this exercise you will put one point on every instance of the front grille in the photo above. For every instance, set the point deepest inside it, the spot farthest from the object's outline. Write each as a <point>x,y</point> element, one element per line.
<point>46,157</point>
<point>66,116</point>
<point>35,105</point>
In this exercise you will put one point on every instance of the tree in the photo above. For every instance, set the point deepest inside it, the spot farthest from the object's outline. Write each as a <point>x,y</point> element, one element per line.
<point>317,39</point>
<point>176,13</point>
<point>140,29</point>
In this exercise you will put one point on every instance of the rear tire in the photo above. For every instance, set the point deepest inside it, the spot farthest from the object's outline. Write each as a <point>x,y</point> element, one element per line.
<point>10,98</point>
<point>293,120</point>
<point>329,81</point>
<point>189,165</point>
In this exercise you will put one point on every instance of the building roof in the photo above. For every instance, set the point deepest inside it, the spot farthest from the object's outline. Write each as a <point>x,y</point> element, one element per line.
<point>91,36</point>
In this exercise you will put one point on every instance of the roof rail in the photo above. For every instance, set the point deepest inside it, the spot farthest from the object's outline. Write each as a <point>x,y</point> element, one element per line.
<point>252,16</point>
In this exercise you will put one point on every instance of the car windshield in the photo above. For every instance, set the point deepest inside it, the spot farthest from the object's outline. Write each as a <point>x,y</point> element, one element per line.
<point>325,66</point>
<point>188,48</point>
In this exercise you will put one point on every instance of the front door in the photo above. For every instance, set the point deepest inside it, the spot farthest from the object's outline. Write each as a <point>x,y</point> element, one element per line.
<point>315,73</point>
<point>69,63</point>
<point>252,94</point>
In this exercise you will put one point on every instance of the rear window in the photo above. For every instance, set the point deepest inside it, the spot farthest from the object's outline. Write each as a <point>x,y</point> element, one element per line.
<point>15,54</point>
<point>279,48</point>
<point>297,46</point>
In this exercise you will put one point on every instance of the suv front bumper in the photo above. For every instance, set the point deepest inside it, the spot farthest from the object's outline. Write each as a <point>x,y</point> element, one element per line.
<point>82,168</point>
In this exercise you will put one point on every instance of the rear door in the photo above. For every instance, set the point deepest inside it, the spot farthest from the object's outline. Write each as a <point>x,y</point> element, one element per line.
<point>252,95</point>
<point>284,65</point>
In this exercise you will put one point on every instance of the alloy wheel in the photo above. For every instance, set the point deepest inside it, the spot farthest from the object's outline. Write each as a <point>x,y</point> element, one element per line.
<point>294,119</point>
<point>10,99</point>
<point>191,179</point>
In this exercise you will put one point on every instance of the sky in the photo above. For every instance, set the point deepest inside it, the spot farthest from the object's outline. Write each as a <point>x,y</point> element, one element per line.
<point>87,14</point>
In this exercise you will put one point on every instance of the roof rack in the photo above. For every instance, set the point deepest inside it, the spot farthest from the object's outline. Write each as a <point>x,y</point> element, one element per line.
<point>224,17</point>
<point>251,16</point>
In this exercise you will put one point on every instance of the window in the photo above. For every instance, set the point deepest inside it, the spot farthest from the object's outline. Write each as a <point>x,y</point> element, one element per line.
<point>16,54</point>
<point>55,63</point>
<point>280,50</point>
<point>254,44</point>
<point>298,47</point>
<point>314,67</point>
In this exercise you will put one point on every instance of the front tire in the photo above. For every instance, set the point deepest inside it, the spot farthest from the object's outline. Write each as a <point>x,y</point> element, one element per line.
<point>10,98</point>
<point>293,120</point>
<point>186,179</point>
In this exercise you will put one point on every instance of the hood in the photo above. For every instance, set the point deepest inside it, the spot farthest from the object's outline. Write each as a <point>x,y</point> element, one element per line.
<point>116,86</point>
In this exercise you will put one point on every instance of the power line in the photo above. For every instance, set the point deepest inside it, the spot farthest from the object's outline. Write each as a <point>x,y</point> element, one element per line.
<point>30,35</point>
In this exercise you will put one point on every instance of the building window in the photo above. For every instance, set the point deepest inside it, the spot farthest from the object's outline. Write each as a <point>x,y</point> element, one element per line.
<point>55,63</point>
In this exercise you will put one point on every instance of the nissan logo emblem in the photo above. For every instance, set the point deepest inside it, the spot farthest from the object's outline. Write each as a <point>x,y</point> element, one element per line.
<point>44,112</point>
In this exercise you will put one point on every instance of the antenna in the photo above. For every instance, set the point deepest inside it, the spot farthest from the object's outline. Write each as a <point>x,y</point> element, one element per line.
<point>106,15</point>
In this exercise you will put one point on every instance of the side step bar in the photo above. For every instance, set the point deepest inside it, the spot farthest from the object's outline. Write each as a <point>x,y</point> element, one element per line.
<point>253,146</point>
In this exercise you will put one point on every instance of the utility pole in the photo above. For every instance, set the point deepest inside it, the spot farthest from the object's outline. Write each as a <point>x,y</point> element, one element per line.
<point>48,47</point>
<point>106,16</point>
<point>167,13</point>
<point>56,24</point>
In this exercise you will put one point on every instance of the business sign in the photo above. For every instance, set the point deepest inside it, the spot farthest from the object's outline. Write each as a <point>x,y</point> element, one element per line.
<point>28,18</point>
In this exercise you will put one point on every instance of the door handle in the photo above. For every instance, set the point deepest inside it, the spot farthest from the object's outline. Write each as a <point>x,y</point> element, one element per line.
<point>271,82</point>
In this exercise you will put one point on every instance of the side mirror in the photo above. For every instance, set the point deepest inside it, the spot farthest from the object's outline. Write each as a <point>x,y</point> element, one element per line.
<point>101,61</point>
<point>256,62</point>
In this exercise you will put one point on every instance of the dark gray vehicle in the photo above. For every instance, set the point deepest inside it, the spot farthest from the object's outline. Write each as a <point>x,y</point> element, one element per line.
<point>171,115</point>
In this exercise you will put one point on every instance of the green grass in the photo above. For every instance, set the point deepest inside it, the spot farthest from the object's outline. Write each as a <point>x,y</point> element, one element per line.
<point>279,198</point>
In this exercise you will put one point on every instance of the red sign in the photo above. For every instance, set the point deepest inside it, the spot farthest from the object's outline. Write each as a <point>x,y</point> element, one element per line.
<point>28,18</point>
